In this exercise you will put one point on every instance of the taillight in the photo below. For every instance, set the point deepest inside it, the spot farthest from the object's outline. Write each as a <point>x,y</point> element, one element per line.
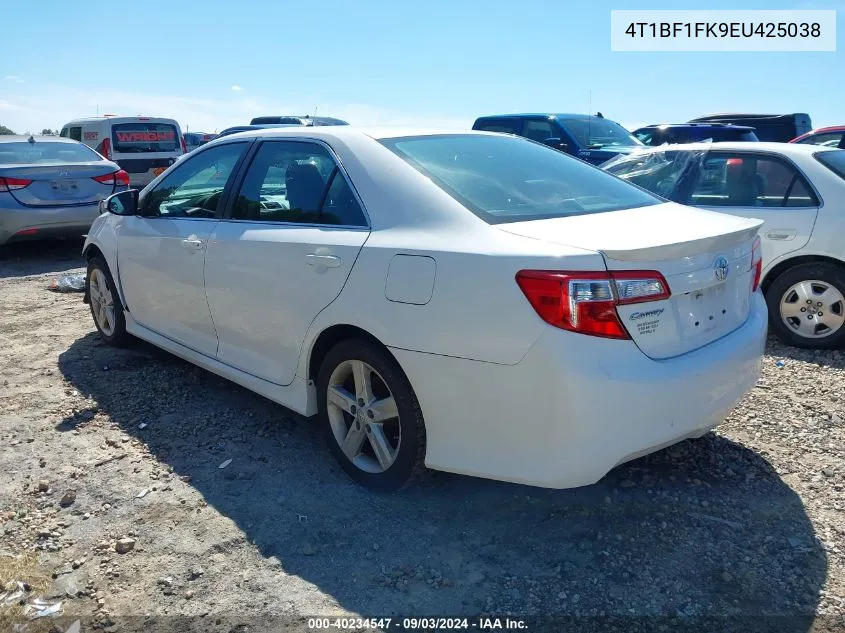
<point>104,148</point>
<point>586,302</point>
<point>756,263</point>
<point>119,177</point>
<point>184,146</point>
<point>11,184</point>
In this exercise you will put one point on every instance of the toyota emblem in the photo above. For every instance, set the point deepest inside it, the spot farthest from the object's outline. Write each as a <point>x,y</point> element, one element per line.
<point>721,268</point>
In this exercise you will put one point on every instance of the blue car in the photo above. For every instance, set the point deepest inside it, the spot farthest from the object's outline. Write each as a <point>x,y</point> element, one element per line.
<point>593,139</point>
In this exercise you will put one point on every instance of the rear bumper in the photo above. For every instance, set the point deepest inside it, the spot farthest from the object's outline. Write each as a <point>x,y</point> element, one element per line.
<point>27,223</point>
<point>576,406</point>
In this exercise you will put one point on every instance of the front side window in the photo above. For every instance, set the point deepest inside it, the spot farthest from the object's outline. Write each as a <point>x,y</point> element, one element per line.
<point>538,130</point>
<point>749,180</point>
<point>144,137</point>
<point>506,179</point>
<point>297,182</point>
<point>194,188</point>
<point>595,133</point>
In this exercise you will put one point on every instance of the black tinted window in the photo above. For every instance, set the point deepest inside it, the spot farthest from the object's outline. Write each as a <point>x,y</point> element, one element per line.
<point>296,182</point>
<point>538,130</point>
<point>75,133</point>
<point>503,126</point>
<point>194,188</point>
<point>144,137</point>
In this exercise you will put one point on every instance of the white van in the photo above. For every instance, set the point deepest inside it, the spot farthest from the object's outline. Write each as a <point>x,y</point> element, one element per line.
<point>142,146</point>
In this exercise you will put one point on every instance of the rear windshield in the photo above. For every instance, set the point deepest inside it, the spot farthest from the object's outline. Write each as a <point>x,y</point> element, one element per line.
<point>509,179</point>
<point>834,161</point>
<point>46,153</point>
<point>144,137</point>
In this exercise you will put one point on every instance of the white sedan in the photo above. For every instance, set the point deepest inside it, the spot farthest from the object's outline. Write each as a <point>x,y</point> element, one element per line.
<point>469,302</point>
<point>797,190</point>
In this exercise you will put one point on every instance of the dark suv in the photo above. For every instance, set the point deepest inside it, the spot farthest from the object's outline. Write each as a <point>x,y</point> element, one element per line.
<point>297,120</point>
<point>693,133</point>
<point>593,139</point>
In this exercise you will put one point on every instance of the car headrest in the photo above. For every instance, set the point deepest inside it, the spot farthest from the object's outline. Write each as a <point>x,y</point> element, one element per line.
<point>305,186</point>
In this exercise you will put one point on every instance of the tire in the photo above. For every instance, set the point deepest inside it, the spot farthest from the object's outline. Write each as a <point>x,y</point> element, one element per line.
<point>819,324</point>
<point>110,323</point>
<point>376,438</point>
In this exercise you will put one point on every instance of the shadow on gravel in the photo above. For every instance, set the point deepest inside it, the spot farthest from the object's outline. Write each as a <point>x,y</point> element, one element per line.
<point>705,528</point>
<point>36,258</point>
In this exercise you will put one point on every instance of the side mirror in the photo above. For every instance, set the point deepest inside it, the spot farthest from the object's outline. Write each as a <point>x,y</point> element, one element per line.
<point>556,143</point>
<point>122,203</point>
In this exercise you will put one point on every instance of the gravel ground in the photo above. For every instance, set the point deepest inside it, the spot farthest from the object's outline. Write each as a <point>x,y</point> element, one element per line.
<point>139,485</point>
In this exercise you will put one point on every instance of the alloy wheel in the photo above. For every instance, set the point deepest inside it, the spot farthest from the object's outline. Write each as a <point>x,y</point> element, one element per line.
<point>364,417</point>
<point>813,309</point>
<point>102,302</point>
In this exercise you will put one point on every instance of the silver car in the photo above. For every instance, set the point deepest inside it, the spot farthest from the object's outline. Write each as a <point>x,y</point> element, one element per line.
<point>51,187</point>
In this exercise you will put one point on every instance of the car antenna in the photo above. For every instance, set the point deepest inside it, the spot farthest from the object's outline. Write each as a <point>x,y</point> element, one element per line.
<point>589,118</point>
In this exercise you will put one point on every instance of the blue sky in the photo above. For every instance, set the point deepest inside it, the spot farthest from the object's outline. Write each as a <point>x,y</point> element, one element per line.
<point>438,62</point>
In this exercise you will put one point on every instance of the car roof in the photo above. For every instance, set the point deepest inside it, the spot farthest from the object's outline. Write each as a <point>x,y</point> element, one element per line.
<point>794,149</point>
<point>19,138</point>
<point>725,126</point>
<point>340,132</point>
<point>121,119</point>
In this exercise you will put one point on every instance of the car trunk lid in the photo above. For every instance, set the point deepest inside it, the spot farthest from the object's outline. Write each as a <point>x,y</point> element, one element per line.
<point>705,257</point>
<point>60,184</point>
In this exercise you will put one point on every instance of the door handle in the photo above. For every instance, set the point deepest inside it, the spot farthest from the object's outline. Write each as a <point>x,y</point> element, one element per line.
<point>193,243</point>
<point>781,234</point>
<point>327,261</point>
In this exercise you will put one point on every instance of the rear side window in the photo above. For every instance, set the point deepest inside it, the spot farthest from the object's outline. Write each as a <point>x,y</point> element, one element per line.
<point>503,126</point>
<point>75,133</point>
<point>747,180</point>
<point>144,137</point>
<point>507,179</point>
<point>834,161</point>
<point>294,182</point>
<point>46,153</point>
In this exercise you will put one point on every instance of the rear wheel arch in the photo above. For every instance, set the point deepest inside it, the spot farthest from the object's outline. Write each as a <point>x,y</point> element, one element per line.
<point>330,337</point>
<point>792,262</point>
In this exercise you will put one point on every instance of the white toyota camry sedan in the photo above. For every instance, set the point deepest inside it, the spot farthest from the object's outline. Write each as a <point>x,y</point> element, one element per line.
<point>469,302</point>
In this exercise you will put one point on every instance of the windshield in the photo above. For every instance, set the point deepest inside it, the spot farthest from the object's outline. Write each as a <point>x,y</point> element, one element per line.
<point>144,137</point>
<point>834,161</point>
<point>509,179</point>
<point>595,133</point>
<point>40,152</point>
<point>658,172</point>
